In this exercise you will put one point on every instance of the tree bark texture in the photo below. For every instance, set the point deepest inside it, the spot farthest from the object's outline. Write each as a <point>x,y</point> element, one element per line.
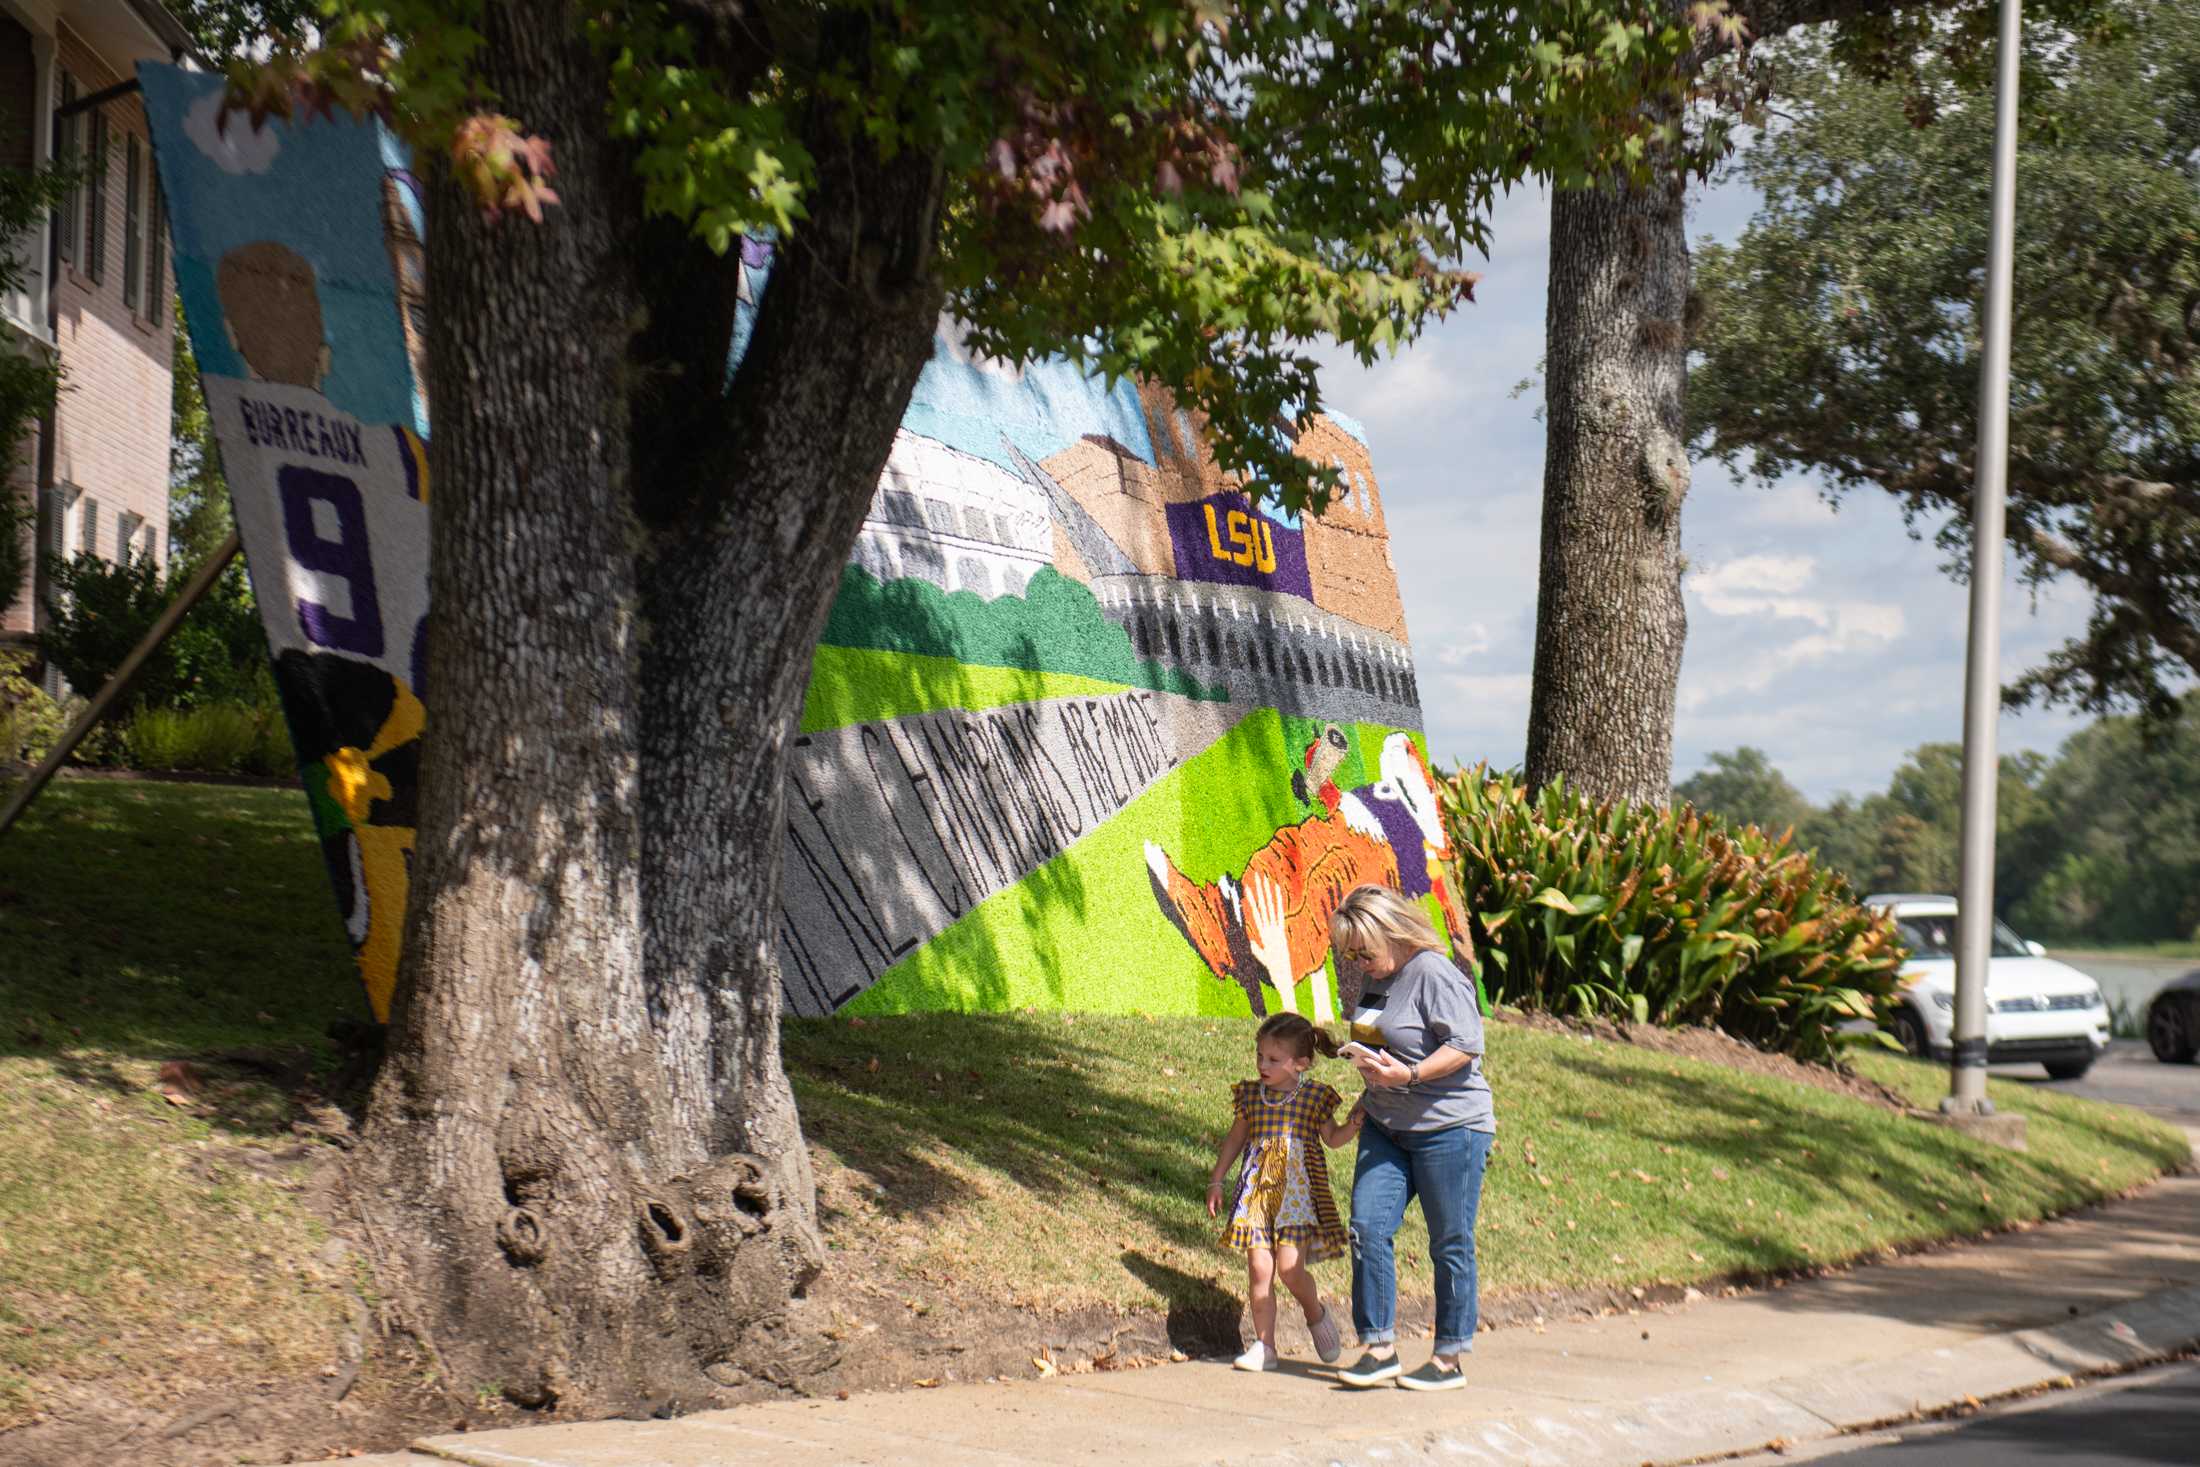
<point>737,581</point>
<point>1610,622</point>
<point>581,1172</point>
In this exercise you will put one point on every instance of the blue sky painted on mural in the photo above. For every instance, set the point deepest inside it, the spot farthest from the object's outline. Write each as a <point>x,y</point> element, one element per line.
<point>314,188</point>
<point>1832,640</point>
<point>1044,408</point>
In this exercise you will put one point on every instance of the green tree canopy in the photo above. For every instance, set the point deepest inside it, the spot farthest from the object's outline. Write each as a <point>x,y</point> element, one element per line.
<point>1185,191</point>
<point>199,516</point>
<point>2120,857</point>
<point>1839,337</point>
<point>1743,787</point>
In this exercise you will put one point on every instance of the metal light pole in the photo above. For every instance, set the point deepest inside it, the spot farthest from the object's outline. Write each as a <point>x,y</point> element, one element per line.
<point>1982,671</point>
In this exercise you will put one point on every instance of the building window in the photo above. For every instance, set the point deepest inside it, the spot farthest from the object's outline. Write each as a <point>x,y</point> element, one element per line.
<point>133,222</point>
<point>156,256</point>
<point>53,513</point>
<point>87,525</point>
<point>95,202</point>
<point>66,132</point>
<point>126,537</point>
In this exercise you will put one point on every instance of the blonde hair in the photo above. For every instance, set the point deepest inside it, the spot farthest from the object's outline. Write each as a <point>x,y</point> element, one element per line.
<point>1376,917</point>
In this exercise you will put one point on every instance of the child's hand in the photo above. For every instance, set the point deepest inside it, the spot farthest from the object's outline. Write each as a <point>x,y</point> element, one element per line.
<point>1214,1198</point>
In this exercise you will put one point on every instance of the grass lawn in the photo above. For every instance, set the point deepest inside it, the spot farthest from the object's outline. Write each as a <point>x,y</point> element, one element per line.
<point>1064,1157</point>
<point>1056,1160</point>
<point>142,923</point>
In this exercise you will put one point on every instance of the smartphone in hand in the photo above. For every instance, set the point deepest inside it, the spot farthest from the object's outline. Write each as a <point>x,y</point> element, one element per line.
<point>1353,1049</point>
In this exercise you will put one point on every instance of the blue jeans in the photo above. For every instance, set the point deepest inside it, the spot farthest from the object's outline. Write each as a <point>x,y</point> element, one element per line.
<point>1444,1169</point>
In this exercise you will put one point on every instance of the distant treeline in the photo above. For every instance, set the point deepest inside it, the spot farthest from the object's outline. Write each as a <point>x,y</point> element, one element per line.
<point>2099,844</point>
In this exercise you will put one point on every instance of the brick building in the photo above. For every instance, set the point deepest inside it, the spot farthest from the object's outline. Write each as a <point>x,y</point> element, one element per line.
<point>99,289</point>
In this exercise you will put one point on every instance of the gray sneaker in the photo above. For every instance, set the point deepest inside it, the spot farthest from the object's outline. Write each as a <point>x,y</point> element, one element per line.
<point>1370,1369</point>
<point>1433,1377</point>
<point>1326,1343</point>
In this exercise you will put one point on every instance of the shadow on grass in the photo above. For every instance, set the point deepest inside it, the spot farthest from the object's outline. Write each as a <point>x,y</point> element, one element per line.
<point>1936,1182</point>
<point>145,922</point>
<point>936,1109</point>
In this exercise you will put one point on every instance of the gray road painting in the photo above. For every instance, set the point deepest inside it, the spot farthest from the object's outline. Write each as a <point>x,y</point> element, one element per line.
<point>896,829</point>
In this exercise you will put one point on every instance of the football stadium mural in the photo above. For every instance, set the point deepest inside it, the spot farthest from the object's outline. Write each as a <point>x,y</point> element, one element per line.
<point>1088,728</point>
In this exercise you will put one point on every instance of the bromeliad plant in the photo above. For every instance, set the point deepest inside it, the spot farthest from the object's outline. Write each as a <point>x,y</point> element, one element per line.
<point>1661,915</point>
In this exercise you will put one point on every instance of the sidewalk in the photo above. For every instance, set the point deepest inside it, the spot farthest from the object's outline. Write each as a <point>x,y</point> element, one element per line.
<point>2109,1288</point>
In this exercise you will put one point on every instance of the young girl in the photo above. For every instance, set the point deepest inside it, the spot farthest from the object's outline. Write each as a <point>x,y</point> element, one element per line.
<point>1285,1216</point>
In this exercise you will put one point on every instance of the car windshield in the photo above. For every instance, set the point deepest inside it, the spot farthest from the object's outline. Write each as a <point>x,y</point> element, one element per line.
<point>1935,937</point>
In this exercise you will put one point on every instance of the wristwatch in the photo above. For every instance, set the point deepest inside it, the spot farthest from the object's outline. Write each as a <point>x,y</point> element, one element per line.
<point>1413,1073</point>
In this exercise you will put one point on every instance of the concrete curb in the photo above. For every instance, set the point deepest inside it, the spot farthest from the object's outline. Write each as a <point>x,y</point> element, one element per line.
<point>1693,1425</point>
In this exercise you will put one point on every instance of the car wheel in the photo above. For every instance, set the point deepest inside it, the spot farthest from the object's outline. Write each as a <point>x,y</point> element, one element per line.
<point>2069,1069</point>
<point>1909,1031</point>
<point>2170,1033</point>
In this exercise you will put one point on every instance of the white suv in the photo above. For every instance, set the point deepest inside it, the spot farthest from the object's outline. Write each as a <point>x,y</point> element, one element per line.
<point>2036,1008</point>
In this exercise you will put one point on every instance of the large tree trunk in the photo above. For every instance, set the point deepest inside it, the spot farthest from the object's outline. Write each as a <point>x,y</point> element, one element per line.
<point>1610,622</point>
<point>1609,619</point>
<point>769,483</point>
<point>581,1169</point>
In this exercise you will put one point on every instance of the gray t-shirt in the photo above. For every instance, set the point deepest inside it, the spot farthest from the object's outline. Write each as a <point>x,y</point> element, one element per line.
<point>1426,1005</point>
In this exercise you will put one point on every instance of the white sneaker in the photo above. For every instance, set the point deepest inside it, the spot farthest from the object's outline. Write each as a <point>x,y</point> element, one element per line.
<point>1327,1344</point>
<point>1260,1357</point>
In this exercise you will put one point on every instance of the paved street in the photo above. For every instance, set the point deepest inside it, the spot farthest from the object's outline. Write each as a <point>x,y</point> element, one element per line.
<point>2153,1417</point>
<point>2128,1074</point>
<point>2131,980</point>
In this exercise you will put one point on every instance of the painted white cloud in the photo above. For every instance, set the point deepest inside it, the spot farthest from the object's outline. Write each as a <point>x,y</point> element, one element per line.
<point>237,148</point>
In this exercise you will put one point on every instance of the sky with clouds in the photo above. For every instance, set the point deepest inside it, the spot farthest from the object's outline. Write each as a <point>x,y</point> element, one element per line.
<point>1827,637</point>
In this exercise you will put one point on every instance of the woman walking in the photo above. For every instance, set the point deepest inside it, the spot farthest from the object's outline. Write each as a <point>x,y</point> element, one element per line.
<point>1430,1122</point>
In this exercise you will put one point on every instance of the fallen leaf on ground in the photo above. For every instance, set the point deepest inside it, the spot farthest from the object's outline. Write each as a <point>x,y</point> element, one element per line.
<point>179,1084</point>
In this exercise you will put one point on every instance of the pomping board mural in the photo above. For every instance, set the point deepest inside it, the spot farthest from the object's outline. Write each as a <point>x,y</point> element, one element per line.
<point>1087,728</point>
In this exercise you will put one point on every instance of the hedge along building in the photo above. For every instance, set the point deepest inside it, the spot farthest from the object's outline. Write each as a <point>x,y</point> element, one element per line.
<point>1087,728</point>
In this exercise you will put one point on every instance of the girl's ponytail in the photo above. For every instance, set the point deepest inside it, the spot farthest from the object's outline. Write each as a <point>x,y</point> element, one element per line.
<point>1303,1035</point>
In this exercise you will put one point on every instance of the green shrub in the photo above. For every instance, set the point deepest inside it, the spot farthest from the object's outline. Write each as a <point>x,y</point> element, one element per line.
<point>101,610</point>
<point>29,720</point>
<point>18,517</point>
<point>32,723</point>
<point>271,751</point>
<point>1661,915</point>
<point>219,739</point>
